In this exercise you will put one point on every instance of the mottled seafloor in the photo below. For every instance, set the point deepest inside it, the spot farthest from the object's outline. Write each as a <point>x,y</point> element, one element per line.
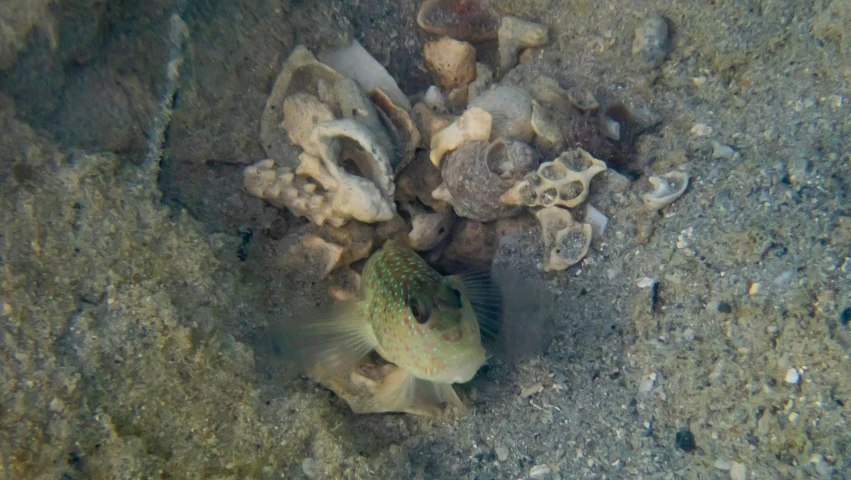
<point>136,284</point>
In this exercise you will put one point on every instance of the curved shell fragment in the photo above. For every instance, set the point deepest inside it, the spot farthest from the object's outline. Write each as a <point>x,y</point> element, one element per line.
<point>667,189</point>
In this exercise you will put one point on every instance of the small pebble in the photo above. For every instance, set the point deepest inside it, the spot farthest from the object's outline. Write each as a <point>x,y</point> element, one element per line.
<point>501,453</point>
<point>701,130</point>
<point>782,278</point>
<point>738,471</point>
<point>719,150</point>
<point>531,390</point>
<point>646,282</point>
<point>540,471</point>
<point>723,464</point>
<point>685,440</point>
<point>763,426</point>
<point>792,376</point>
<point>822,467</point>
<point>647,383</point>
<point>651,42</point>
<point>308,467</point>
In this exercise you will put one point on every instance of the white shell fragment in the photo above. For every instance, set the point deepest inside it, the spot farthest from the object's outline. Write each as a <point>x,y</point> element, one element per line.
<point>667,188</point>
<point>792,376</point>
<point>647,382</point>
<point>515,34</point>
<point>540,471</point>
<point>563,181</point>
<point>345,169</point>
<point>596,219</point>
<point>473,125</point>
<point>355,62</point>
<point>532,390</point>
<point>565,241</point>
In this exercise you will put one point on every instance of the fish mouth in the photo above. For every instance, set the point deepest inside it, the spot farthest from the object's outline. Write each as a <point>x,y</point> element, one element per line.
<point>453,336</point>
<point>468,369</point>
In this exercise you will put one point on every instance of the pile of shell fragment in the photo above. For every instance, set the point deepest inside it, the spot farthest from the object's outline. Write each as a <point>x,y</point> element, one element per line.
<point>373,164</point>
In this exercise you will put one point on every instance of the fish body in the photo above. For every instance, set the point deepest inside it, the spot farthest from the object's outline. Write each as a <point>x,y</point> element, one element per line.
<point>422,321</point>
<point>426,324</point>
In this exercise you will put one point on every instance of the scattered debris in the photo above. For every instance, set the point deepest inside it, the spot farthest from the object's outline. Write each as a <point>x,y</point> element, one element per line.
<point>531,390</point>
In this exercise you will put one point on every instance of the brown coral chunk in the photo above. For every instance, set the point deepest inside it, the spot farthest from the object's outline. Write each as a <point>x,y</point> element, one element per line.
<point>468,20</point>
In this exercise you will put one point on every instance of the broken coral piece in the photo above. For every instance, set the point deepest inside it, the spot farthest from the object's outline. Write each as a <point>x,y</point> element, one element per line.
<point>301,73</point>
<point>477,174</point>
<point>468,20</point>
<point>566,242</point>
<point>472,244</point>
<point>308,93</point>
<point>548,133</point>
<point>428,228</point>
<point>302,112</point>
<point>583,99</point>
<point>547,91</point>
<point>452,63</point>
<point>417,180</point>
<point>515,34</point>
<point>320,188</point>
<point>374,388</point>
<point>403,131</point>
<point>510,109</point>
<point>473,125</point>
<point>429,121</point>
<point>667,189</point>
<point>344,285</point>
<point>313,257</point>
<point>356,238</point>
<point>483,81</point>
<point>563,181</point>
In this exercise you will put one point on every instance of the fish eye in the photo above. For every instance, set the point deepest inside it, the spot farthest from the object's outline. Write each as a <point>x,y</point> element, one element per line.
<point>419,309</point>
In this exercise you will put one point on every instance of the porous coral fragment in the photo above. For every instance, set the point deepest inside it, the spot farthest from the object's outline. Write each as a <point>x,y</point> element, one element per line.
<point>563,181</point>
<point>452,63</point>
<point>566,242</point>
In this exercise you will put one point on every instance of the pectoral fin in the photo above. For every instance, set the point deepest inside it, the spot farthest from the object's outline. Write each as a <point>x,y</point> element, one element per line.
<point>328,341</point>
<point>400,391</point>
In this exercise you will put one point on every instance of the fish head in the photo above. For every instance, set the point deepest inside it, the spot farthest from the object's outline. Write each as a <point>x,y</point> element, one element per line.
<point>450,341</point>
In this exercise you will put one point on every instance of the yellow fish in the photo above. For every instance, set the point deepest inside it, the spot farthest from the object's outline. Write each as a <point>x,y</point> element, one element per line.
<point>426,324</point>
